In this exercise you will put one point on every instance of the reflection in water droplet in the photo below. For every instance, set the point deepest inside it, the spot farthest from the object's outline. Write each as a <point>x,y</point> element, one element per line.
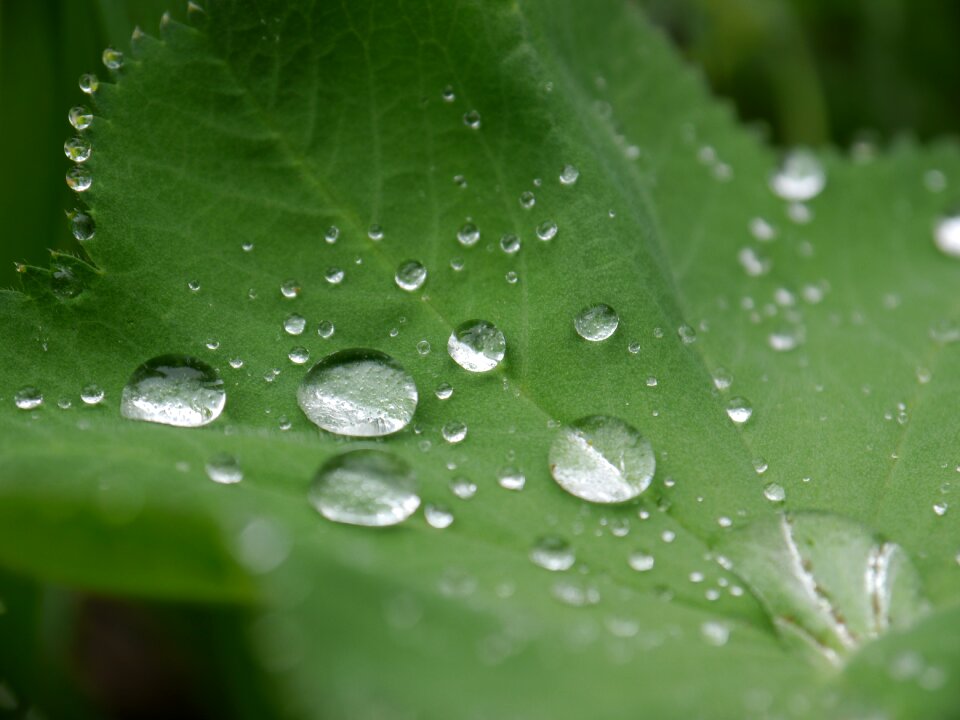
<point>739,410</point>
<point>463,488</point>
<point>79,179</point>
<point>602,459</point>
<point>334,275</point>
<point>547,230</point>
<point>112,59</point>
<point>468,234</point>
<point>298,355</point>
<point>173,390</point>
<point>77,149</point>
<point>410,276</point>
<point>28,398</point>
<point>438,516</point>
<point>715,632</point>
<point>687,334</point>
<point>89,83</point>
<point>472,119</point>
<point>477,346</point>
<point>527,200</point>
<point>454,432</point>
<point>81,225</point>
<point>641,561</point>
<point>444,391</point>
<point>92,394</point>
<point>569,175</point>
<point>722,379</point>
<point>510,478</point>
<point>596,323</point>
<point>358,392</point>
<point>331,234</point>
<point>423,347</point>
<point>294,324</point>
<point>946,235</point>
<point>80,117</point>
<point>290,289</point>
<point>375,232</point>
<point>940,508</point>
<point>774,493</point>
<point>553,553</point>
<point>365,487</point>
<point>800,178</point>
<point>510,244</point>
<point>325,329</point>
<point>224,469</point>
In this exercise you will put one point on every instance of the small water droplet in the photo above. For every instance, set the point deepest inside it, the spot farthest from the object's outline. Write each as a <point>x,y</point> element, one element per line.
<point>569,175</point>
<point>77,149</point>
<point>80,117</point>
<point>941,508</point>
<point>786,339</point>
<point>325,329</point>
<point>437,516</point>
<point>762,230</point>
<point>92,394</point>
<point>366,487</point>
<point>173,390</point>
<point>633,348</point>
<point>468,235</point>
<point>510,478</point>
<point>722,379</point>
<point>236,363</point>
<point>375,232</point>
<point>553,553</point>
<point>423,347</point>
<point>510,244</point>
<point>946,235</point>
<point>298,355</point>
<point>596,323</point>
<point>448,95</point>
<point>444,391</point>
<point>477,346</point>
<point>547,230</point>
<point>224,469</point>
<point>576,593</point>
<point>527,200</point>
<point>472,119</point>
<point>456,264</point>
<point>760,465</point>
<point>294,324</point>
<point>641,561</point>
<point>800,177</point>
<point>81,225</point>
<point>602,459</point>
<point>89,83</point>
<point>715,632</point>
<point>687,334</point>
<point>334,275</point>
<point>79,179</point>
<point>454,432</point>
<point>460,181</point>
<point>112,59</point>
<point>290,289</point>
<point>358,392</point>
<point>774,493</point>
<point>331,234</point>
<point>511,277</point>
<point>463,488</point>
<point>246,246</point>
<point>28,398</point>
<point>410,276</point>
<point>212,344</point>
<point>739,410</point>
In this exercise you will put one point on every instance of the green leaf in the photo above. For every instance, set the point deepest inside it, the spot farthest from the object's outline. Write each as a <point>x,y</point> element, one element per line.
<point>267,125</point>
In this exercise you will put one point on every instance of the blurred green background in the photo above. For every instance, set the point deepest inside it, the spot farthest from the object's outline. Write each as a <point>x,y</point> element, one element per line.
<point>804,71</point>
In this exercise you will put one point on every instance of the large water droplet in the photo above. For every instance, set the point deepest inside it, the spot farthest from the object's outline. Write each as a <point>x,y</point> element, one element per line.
<point>411,274</point>
<point>173,390</point>
<point>359,392</point>
<point>596,323</point>
<point>77,149</point>
<point>365,487</point>
<point>28,398</point>
<point>800,178</point>
<point>92,394</point>
<point>602,459</point>
<point>79,179</point>
<point>477,345</point>
<point>547,230</point>
<point>946,235</point>
<point>553,553</point>
<point>80,117</point>
<point>224,469</point>
<point>739,410</point>
<point>294,324</point>
<point>438,516</point>
<point>468,235</point>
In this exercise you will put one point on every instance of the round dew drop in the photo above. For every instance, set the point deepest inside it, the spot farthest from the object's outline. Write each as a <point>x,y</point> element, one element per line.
<point>411,275</point>
<point>112,59</point>
<point>334,275</point>
<point>444,391</point>
<point>173,390</point>
<point>602,459</point>
<point>325,329</point>
<point>89,83</point>
<point>80,117</point>
<point>553,553</point>
<point>79,179</point>
<point>640,561</point>
<point>454,432</point>
<point>294,324</point>
<point>298,355</point>
<point>510,244</point>
<point>547,230</point>
<point>946,235</point>
<point>596,323</point>
<point>365,487</point>
<point>463,488</point>
<point>224,469</point>
<point>527,200</point>
<point>290,289</point>
<point>81,225</point>
<point>569,175</point>
<point>739,410</point>
<point>92,394</point>
<point>509,478</point>
<point>472,119</point>
<point>774,493</point>
<point>77,149</point>
<point>468,235</point>
<point>477,346</point>
<point>358,393</point>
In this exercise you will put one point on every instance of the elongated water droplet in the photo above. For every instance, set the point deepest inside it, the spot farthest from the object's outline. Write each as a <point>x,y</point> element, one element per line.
<point>366,487</point>
<point>92,394</point>
<point>946,235</point>
<point>454,432</point>
<point>602,459</point>
<point>173,390</point>
<point>410,276</point>
<point>81,225</point>
<point>553,553</point>
<point>547,230</point>
<point>739,410</point>
<point>596,323</point>
<point>79,179</point>
<point>77,149</point>
<point>89,83</point>
<point>28,398</point>
<point>800,178</point>
<point>437,516</point>
<point>569,175</point>
<point>80,117</point>
<point>468,235</point>
<point>358,392</point>
<point>477,345</point>
<point>224,469</point>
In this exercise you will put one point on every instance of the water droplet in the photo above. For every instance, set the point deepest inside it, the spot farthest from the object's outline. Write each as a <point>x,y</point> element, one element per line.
<point>760,465</point>
<point>687,334</point>
<point>547,230</point>
<point>79,179</point>
<point>77,149</point>
<point>290,289</point>
<point>294,324</point>
<point>454,432</point>
<point>774,493</point>
<point>722,379</point>
<point>298,355</point>
<point>596,323</point>
<point>81,225</point>
<point>173,390</point>
<point>80,117</point>
<point>411,274</point>
<point>375,232</point>
<point>641,561</point>
<point>325,329</point>
<point>941,508</point>
<point>477,346</point>
<point>359,392</point>
<point>510,478</point>
<point>510,244</point>
<point>331,234</point>
<point>89,83</point>
<point>460,181</point>
<point>444,391</point>
<point>112,59</point>
<point>715,632</point>
<point>92,394</point>
<point>602,459</point>
<point>800,178</point>
<point>512,277</point>
<point>366,487</point>
<point>739,410</point>
<point>468,235</point>
<point>527,200</point>
<point>28,398</point>
<point>438,516</point>
<point>463,488</point>
<point>224,469</point>
<point>212,344</point>
<point>236,363</point>
<point>569,175</point>
<point>946,235</point>
<point>246,246</point>
<point>423,347</point>
<point>448,95</point>
<point>333,275</point>
<point>633,348</point>
<point>472,119</point>
<point>456,264</point>
<point>553,553</point>
<point>576,593</point>
<point>786,339</point>
<point>762,230</point>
